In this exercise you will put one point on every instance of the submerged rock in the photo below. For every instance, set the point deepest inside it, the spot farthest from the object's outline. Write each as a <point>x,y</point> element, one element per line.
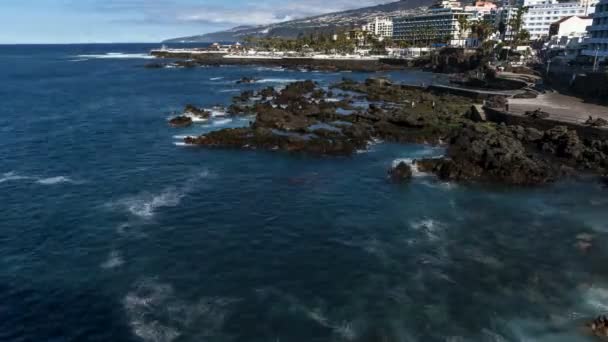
<point>181,121</point>
<point>599,326</point>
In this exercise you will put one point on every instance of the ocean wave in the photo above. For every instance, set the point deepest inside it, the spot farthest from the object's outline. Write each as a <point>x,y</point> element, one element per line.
<point>221,122</point>
<point>79,60</point>
<point>117,55</point>
<point>216,78</point>
<point>157,314</point>
<point>279,69</point>
<point>55,180</point>
<point>432,229</point>
<point>114,260</point>
<point>13,176</point>
<point>230,91</point>
<point>415,170</point>
<point>146,204</point>
<point>277,80</point>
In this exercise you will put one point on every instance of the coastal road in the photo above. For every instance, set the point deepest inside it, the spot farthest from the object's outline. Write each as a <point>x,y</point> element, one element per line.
<point>560,107</point>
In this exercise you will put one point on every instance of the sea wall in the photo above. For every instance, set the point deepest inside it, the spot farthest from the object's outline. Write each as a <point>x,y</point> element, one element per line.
<point>590,86</point>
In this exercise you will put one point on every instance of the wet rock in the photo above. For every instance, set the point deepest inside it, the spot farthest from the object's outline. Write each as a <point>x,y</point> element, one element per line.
<point>401,172</point>
<point>490,154</point>
<point>181,121</point>
<point>599,326</point>
<point>197,112</point>
<point>246,80</point>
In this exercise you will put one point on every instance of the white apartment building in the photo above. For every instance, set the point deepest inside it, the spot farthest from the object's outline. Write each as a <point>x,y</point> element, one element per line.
<point>540,16</point>
<point>597,43</point>
<point>440,24</point>
<point>542,13</point>
<point>567,35</point>
<point>380,27</point>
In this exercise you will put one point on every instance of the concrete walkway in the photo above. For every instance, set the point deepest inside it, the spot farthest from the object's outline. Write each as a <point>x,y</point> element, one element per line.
<point>560,107</point>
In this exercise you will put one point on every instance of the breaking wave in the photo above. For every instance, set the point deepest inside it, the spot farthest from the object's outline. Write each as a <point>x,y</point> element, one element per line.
<point>13,176</point>
<point>117,55</point>
<point>114,260</point>
<point>277,80</point>
<point>415,170</point>
<point>146,204</point>
<point>157,314</point>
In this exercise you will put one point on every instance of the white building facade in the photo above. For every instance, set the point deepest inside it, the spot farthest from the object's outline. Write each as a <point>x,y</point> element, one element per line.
<point>440,24</point>
<point>540,15</point>
<point>597,43</point>
<point>380,27</point>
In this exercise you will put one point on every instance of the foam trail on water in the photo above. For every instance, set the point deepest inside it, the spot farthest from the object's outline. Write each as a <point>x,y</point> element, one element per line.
<point>415,170</point>
<point>117,55</point>
<point>114,260</point>
<point>221,122</point>
<point>12,176</point>
<point>216,78</point>
<point>146,204</point>
<point>277,80</point>
<point>55,180</point>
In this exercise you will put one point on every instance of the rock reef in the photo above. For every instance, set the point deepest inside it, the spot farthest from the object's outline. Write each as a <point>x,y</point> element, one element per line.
<point>305,118</point>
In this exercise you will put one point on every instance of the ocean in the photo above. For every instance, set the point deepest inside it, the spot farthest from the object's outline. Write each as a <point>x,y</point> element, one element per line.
<point>111,230</point>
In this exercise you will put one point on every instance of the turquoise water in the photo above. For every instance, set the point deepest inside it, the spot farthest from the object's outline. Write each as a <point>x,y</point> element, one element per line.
<point>112,231</point>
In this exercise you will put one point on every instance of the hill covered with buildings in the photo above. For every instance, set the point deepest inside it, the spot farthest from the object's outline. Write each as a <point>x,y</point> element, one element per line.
<point>319,24</point>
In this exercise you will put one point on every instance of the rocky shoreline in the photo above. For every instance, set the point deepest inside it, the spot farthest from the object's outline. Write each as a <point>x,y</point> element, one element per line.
<point>306,118</point>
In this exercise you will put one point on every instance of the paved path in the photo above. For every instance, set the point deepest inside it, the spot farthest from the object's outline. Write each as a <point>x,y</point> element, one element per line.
<point>560,107</point>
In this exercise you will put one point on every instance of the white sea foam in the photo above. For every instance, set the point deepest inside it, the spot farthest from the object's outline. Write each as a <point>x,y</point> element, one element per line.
<point>195,118</point>
<point>216,78</point>
<point>215,112</point>
<point>12,176</point>
<point>596,298</point>
<point>156,314</point>
<point>181,137</point>
<point>55,180</point>
<point>432,229</point>
<point>114,260</point>
<point>117,55</point>
<point>79,60</point>
<point>277,80</point>
<point>221,122</point>
<point>230,91</point>
<point>146,204</point>
<point>415,170</point>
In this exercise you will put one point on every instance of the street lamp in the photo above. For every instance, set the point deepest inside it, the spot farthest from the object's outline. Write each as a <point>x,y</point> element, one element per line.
<point>597,49</point>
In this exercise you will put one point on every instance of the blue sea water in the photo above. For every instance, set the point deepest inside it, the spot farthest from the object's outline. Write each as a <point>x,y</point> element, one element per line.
<point>112,231</point>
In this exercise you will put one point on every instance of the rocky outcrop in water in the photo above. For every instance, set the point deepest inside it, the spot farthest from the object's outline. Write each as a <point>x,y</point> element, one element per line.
<point>492,154</point>
<point>180,121</point>
<point>303,118</point>
<point>196,112</point>
<point>401,172</point>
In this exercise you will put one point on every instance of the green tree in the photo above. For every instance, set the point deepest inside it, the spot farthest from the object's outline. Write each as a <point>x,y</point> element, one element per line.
<point>463,26</point>
<point>516,24</point>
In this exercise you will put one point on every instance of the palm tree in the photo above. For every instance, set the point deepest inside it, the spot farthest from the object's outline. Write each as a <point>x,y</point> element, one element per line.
<point>516,24</point>
<point>463,25</point>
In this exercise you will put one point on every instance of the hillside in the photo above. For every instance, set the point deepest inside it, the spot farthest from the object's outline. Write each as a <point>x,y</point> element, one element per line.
<point>322,23</point>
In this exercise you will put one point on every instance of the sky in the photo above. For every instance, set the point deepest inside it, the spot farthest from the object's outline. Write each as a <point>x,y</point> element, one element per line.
<point>105,21</point>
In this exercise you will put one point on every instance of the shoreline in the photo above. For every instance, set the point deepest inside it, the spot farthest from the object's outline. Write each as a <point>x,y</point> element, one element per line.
<point>190,59</point>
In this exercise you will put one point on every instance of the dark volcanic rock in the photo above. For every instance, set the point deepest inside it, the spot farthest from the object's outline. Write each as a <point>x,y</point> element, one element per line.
<point>180,121</point>
<point>246,80</point>
<point>201,113</point>
<point>401,172</point>
<point>481,153</point>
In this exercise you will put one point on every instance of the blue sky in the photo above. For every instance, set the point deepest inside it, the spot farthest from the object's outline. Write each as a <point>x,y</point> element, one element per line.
<point>83,21</point>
